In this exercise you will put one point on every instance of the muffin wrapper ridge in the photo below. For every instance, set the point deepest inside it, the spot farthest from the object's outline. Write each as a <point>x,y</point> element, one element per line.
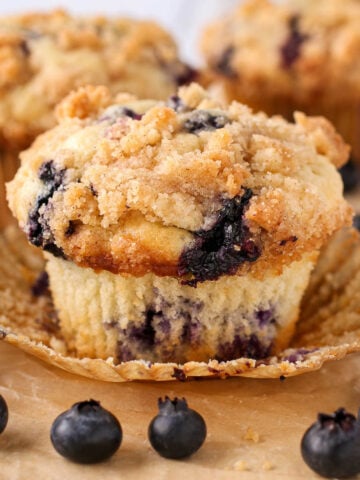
<point>329,327</point>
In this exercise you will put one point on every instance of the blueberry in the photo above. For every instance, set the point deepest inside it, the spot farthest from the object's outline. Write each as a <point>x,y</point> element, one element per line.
<point>200,120</point>
<point>37,228</point>
<point>350,175</point>
<point>113,113</point>
<point>290,50</point>
<point>331,446</point>
<point>4,414</point>
<point>223,64</point>
<point>221,249</point>
<point>51,175</point>
<point>177,431</point>
<point>25,49</point>
<point>356,222</point>
<point>131,114</point>
<point>86,433</point>
<point>244,346</point>
<point>176,104</point>
<point>180,73</point>
<point>41,285</point>
<point>184,75</point>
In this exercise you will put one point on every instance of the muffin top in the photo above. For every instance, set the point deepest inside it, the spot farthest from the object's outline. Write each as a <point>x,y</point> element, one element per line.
<point>187,187</point>
<point>44,56</point>
<point>301,48</point>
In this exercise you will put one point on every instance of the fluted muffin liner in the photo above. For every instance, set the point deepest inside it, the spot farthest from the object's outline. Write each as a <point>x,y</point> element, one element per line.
<point>159,319</point>
<point>28,321</point>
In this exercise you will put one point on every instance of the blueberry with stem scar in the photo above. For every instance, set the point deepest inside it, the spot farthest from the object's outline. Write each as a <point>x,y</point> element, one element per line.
<point>177,431</point>
<point>4,414</point>
<point>331,446</point>
<point>86,433</point>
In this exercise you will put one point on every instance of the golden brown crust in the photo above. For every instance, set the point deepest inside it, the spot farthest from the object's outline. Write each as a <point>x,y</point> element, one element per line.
<point>134,192</point>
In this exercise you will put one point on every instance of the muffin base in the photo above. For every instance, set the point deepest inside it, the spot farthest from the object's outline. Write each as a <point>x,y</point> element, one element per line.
<point>29,322</point>
<point>157,319</point>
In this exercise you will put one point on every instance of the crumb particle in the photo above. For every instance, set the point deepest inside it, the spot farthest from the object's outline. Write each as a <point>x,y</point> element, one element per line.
<point>252,435</point>
<point>267,466</point>
<point>241,466</point>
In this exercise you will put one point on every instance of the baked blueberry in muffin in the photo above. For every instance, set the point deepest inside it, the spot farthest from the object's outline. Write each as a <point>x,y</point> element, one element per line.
<point>178,230</point>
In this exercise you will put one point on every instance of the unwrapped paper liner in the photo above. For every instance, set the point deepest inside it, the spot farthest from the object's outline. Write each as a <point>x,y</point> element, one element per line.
<point>329,327</point>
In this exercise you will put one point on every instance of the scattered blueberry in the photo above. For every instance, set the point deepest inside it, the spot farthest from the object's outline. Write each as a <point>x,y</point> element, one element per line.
<point>331,446</point>
<point>86,433</point>
<point>4,414</point>
<point>220,250</point>
<point>350,175</point>
<point>200,120</point>
<point>290,51</point>
<point>177,431</point>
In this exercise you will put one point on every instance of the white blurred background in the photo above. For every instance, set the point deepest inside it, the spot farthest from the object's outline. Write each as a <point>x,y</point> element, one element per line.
<point>184,18</point>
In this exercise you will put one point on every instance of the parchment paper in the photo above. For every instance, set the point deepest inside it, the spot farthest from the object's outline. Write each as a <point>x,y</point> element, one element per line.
<point>254,426</point>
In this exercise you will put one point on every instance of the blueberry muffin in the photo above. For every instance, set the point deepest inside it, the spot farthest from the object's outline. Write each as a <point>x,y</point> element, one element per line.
<point>43,56</point>
<point>294,55</point>
<point>179,230</point>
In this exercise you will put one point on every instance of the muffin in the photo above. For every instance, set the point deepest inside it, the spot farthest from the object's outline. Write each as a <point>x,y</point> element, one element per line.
<point>180,230</point>
<point>294,55</point>
<point>43,56</point>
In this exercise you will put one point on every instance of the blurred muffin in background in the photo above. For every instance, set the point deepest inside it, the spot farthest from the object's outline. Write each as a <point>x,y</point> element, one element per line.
<point>295,55</point>
<point>43,56</point>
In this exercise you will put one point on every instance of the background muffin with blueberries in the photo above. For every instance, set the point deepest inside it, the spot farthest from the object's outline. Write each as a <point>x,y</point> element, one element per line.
<point>294,55</point>
<point>43,56</point>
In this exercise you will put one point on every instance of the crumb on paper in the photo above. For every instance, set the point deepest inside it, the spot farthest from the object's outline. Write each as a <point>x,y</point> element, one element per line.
<point>58,345</point>
<point>267,466</point>
<point>252,435</point>
<point>241,466</point>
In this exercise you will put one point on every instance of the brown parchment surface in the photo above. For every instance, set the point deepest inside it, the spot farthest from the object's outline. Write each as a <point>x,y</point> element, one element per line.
<point>277,411</point>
